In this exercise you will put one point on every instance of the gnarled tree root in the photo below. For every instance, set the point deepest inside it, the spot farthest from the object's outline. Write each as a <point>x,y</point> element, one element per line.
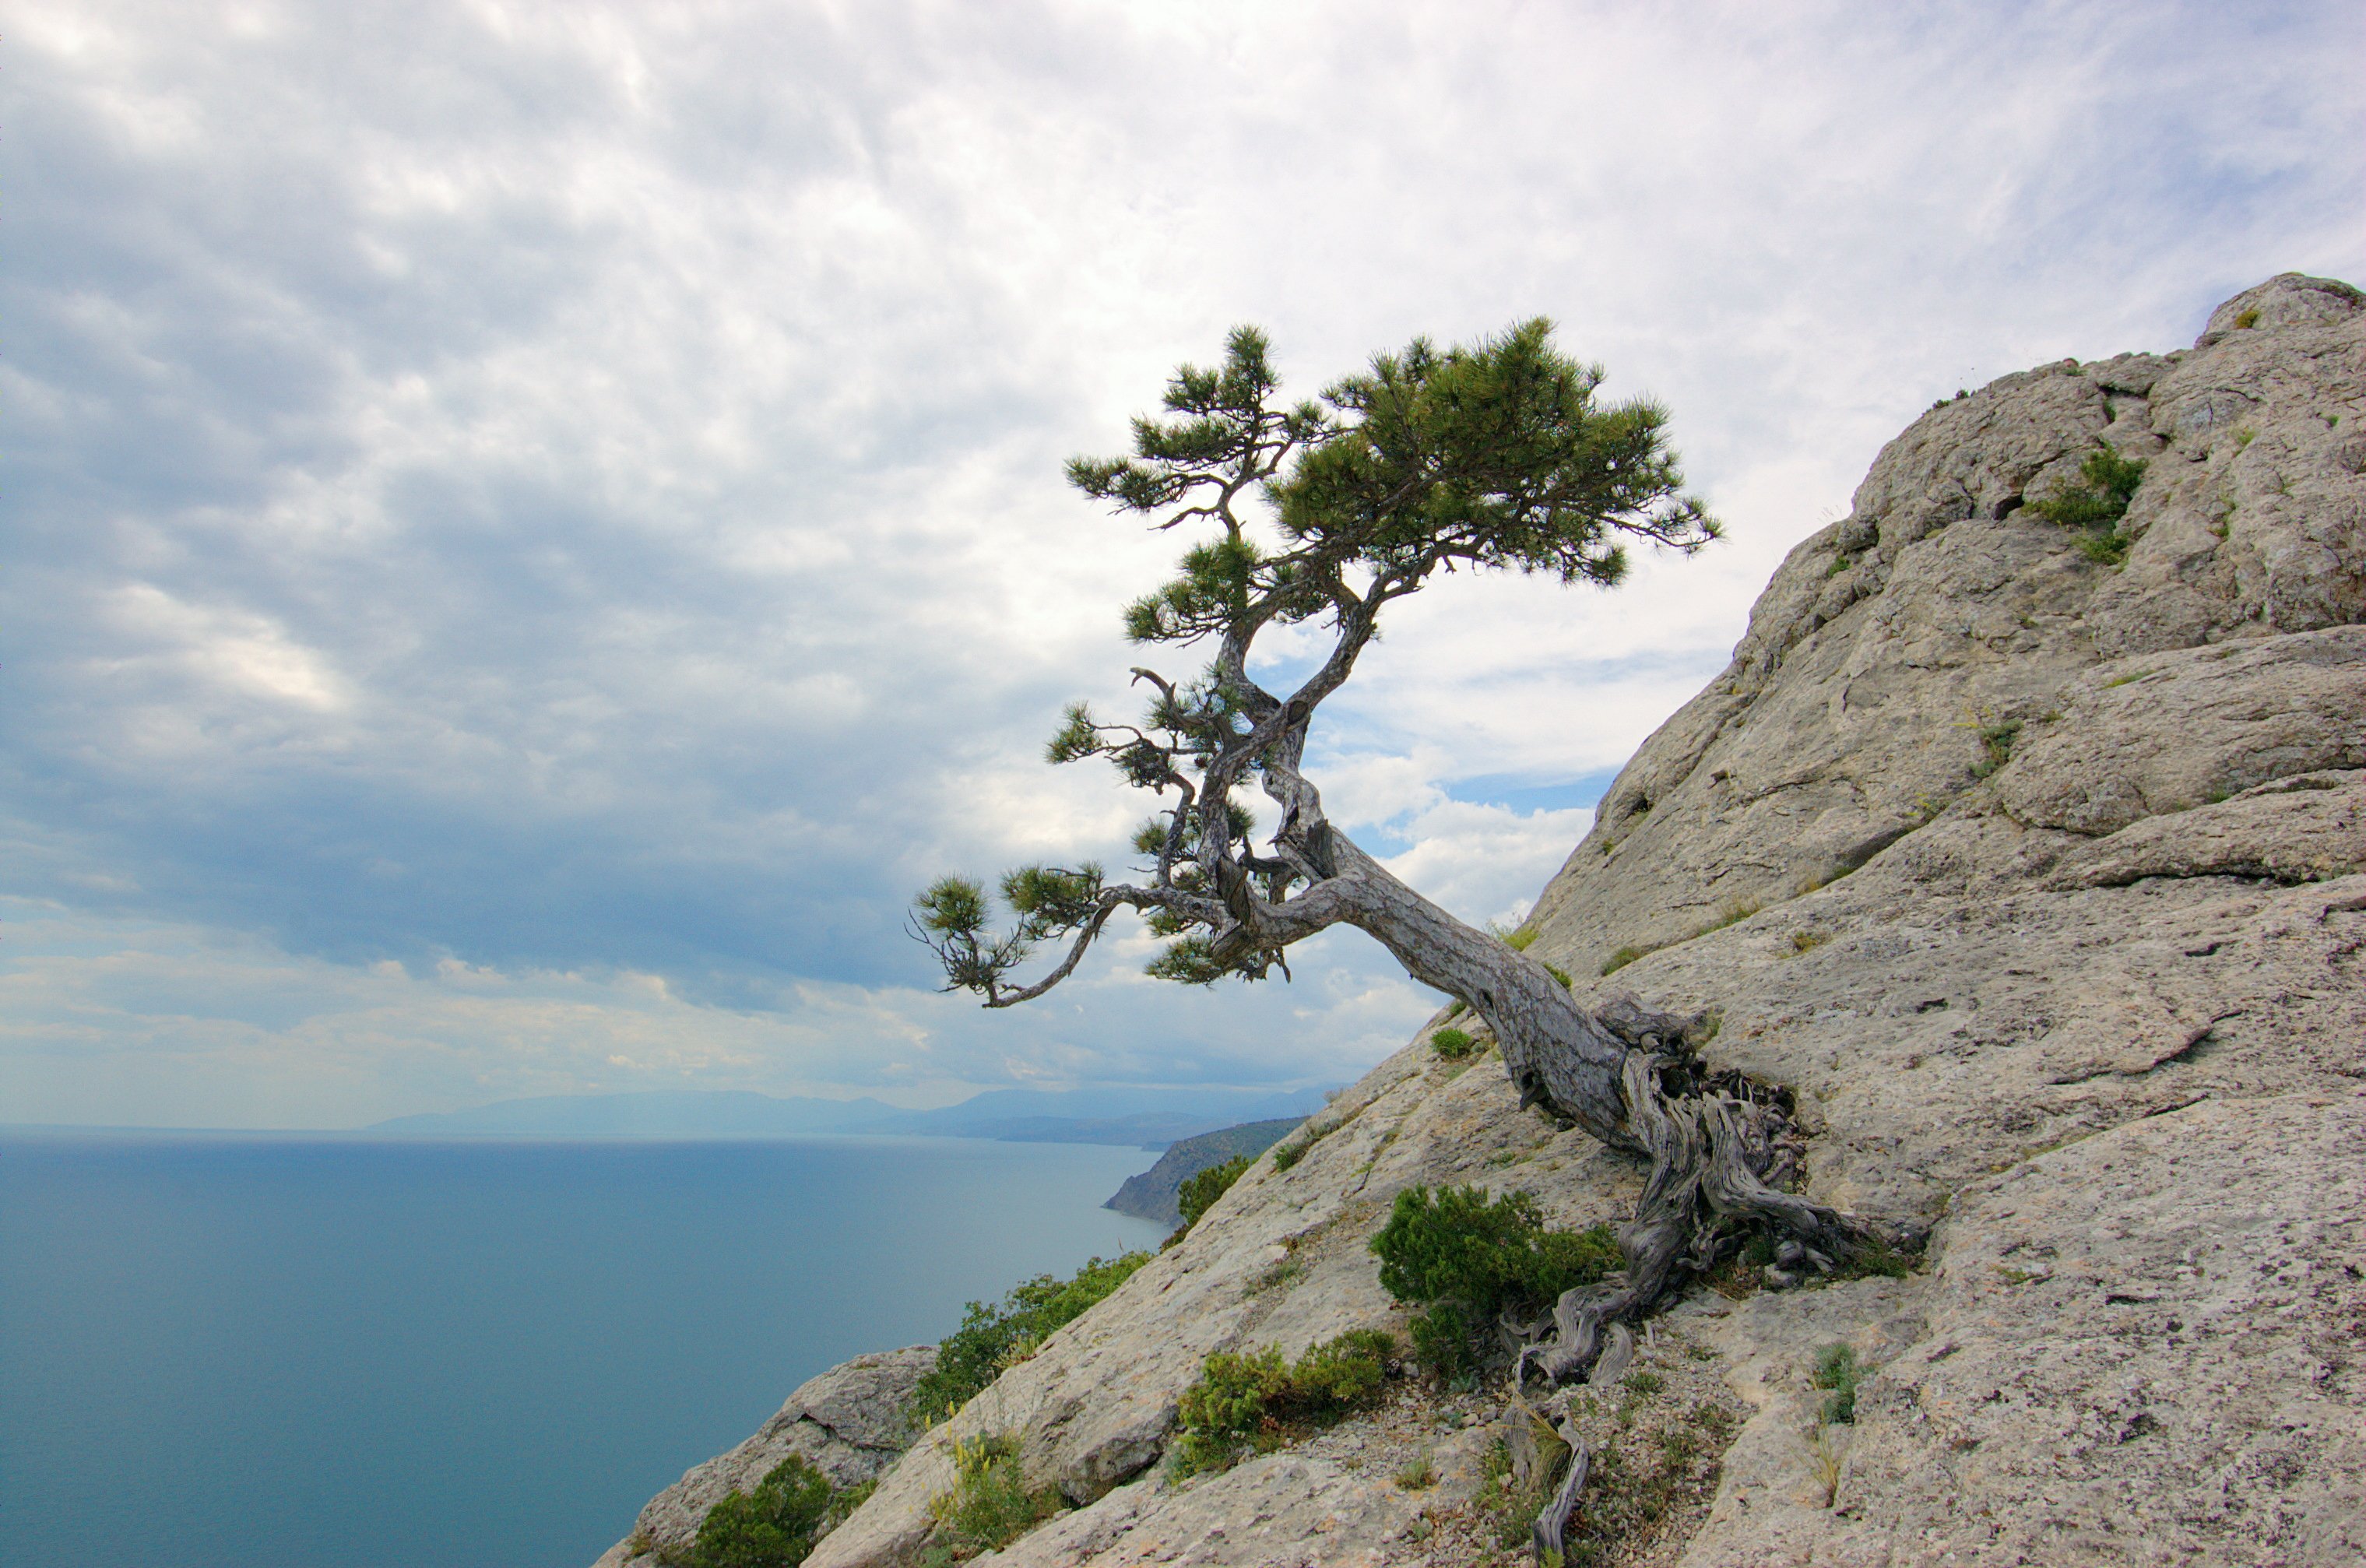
<point>1549,1534</point>
<point>1714,1142</point>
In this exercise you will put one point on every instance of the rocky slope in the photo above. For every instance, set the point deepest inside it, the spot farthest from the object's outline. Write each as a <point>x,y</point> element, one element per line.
<point>2042,883</point>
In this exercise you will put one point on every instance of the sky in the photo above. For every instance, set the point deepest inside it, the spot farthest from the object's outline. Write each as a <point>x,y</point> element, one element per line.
<point>533,530</point>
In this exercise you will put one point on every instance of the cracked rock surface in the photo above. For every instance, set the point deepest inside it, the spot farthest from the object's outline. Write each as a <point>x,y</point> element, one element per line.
<point>2041,883</point>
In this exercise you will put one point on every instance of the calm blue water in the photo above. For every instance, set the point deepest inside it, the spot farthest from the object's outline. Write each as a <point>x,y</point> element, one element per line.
<point>281,1352</point>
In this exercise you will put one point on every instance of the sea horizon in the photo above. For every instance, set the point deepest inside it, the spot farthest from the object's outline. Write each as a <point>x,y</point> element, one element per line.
<point>282,1349</point>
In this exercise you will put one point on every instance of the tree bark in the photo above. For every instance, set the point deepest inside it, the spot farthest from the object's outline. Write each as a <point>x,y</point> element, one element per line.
<point>1717,1142</point>
<point>1625,1075</point>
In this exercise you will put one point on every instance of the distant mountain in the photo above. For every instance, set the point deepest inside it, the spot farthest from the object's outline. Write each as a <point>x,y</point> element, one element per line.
<point>696,1113</point>
<point>1152,1194</point>
<point>1151,1118</point>
<point>1145,1118</point>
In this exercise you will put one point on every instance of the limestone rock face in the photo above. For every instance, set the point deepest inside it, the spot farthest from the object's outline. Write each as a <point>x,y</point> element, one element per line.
<point>848,1422</point>
<point>2041,883</point>
<point>2142,1348</point>
<point>1943,610</point>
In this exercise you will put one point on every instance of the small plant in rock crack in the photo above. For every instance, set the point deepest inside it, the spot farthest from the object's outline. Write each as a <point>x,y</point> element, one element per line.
<point>990,1504</point>
<point>1996,744</point>
<point>1825,1458</point>
<point>2095,502</point>
<point>1452,1045</point>
<point>1837,1373</point>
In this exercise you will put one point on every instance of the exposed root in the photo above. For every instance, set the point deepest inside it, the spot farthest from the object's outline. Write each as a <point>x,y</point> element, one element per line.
<point>1550,1533</point>
<point>1719,1145</point>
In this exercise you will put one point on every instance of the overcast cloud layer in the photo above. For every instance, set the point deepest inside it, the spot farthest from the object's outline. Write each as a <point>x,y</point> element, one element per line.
<point>533,529</point>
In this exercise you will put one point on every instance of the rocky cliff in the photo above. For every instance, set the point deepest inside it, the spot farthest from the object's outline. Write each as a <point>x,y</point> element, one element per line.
<point>2038,876</point>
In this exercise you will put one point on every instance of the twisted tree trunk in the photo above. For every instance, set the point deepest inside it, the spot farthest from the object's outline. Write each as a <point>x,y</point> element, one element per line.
<point>1719,1145</point>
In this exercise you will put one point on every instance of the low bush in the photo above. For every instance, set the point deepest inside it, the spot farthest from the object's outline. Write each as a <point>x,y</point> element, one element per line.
<point>772,1526</point>
<point>1466,1257</point>
<point>996,1335</point>
<point>2095,502</point>
<point>1199,1193</point>
<point>990,1504</point>
<point>1253,1400</point>
<point>1453,1045</point>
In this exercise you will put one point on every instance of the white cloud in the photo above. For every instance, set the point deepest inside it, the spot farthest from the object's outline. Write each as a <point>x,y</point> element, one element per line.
<point>574,489</point>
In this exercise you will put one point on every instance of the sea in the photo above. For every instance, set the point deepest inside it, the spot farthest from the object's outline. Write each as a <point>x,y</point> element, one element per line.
<point>325,1351</point>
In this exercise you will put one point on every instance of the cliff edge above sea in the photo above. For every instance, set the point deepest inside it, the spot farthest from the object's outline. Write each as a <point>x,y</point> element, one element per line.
<point>2025,847</point>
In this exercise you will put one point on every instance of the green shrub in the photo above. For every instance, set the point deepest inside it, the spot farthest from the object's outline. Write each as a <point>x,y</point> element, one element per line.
<point>1452,1044</point>
<point>1199,1191</point>
<point>771,1526</point>
<point>996,1335</point>
<point>2105,549</point>
<point>1623,957</point>
<point>1341,1373</point>
<point>1874,1258</point>
<point>1996,739</point>
<point>1467,1256</point>
<point>1558,972</point>
<point>1291,1152</point>
<point>1241,1400</point>
<point>990,1504</point>
<point>2095,502</point>
<point>1441,1338</point>
<point>1837,1373</point>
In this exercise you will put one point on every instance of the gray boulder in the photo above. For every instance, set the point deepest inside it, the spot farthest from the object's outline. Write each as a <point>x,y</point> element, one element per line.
<point>848,1422</point>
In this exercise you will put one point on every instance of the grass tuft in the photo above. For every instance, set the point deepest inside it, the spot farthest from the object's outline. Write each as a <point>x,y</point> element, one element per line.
<point>1837,1373</point>
<point>1996,739</point>
<point>990,1504</point>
